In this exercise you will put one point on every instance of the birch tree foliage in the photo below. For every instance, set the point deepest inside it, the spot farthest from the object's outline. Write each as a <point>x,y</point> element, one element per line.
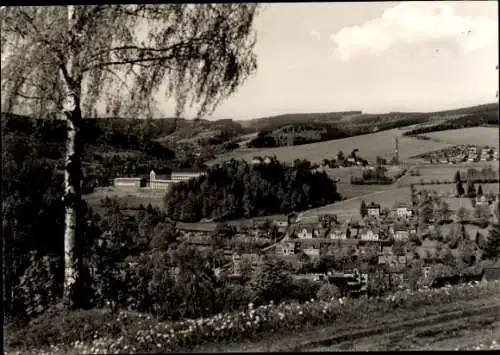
<point>125,55</point>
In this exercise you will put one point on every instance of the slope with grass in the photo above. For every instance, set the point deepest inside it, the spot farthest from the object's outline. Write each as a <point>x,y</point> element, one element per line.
<point>370,146</point>
<point>474,135</point>
<point>129,197</point>
<point>444,172</point>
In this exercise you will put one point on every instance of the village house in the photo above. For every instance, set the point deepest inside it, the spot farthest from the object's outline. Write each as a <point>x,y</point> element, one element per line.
<point>339,234</point>
<point>373,209</point>
<point>399,233</point>
<point>284,248</point>
<point>368,234</point>
<point>267,160</point>
<point>482,201</point>
<point>403,210</point>
<point>309,233</point>
<point>257,160</point>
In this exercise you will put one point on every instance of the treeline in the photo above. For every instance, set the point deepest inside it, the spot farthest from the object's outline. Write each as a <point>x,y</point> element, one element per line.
<point>236,190</point>
<point>471,120</point>
<point>302,133</point>
<point>297,134</point>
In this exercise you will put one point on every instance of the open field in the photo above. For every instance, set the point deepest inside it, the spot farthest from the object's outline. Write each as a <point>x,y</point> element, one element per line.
<point>473,135</point>
<point>349,191</point>
<point>451,188</point>
<point>443,172</point>
<point>131,197</point>
<point>350,207</point>
<point>370,146</point>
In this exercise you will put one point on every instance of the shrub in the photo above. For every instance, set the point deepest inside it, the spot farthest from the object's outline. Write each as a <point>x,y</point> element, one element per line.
<point>41,285</point>
<point>303,290</point>
<point>327,292</point>
<point>141,333</point>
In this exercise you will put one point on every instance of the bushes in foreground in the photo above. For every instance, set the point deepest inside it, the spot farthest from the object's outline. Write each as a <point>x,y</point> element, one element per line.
<point>100,332</point>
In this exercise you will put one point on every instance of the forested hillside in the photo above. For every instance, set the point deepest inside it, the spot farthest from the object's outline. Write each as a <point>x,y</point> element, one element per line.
<point>469,120</point>
<point>125,147</point>
<point>236,190</point>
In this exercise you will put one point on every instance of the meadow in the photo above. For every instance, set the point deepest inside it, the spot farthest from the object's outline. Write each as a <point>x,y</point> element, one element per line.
<point>443,172</point>
<point>370,146</point>
<point>349,208</point>
<point>473,135</point>
<point>131,197</point>
<point>451,188</point>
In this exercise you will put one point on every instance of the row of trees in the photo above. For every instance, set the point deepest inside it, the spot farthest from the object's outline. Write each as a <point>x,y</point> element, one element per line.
<point>236,189</point>
<point>471,120</point>
<point>375,176</point>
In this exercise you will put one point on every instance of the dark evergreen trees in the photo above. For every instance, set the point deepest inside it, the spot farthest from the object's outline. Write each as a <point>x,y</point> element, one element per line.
<point>492,245</point>
<point>363,210</point>
<point>236,189</point>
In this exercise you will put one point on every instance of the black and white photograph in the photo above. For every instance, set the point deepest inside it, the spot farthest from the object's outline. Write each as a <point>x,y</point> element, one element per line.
<point>250,177</point>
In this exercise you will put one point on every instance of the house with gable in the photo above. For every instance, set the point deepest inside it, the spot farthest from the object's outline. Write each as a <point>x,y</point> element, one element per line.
<point>338,233</point>
<point>368,234</point>
<point>482,201</point>
<point>403,210</point>
<point>309,232</point>
<point>399,232</point>
<point>373,209</point>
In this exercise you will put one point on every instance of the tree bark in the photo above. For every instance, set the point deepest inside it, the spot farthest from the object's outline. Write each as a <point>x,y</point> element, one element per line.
<point>72,199</point>
<point>72,173</point>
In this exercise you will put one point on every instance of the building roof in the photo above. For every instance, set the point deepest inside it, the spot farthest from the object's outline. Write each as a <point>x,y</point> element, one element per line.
<point>187,171</point>
<point>373,205</point>
<point>196,227</point>
<point>403,205</point>
<point>491,273</point>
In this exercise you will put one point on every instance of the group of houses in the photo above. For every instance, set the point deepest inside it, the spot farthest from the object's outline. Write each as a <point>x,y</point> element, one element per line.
<point>464,153</point>
<point>156,182</point>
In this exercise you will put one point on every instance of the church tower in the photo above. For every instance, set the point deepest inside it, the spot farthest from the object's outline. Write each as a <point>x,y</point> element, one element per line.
<point>396,149</point>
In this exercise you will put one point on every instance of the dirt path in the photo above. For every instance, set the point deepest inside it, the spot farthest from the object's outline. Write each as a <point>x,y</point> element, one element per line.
<point>418,334</point>
<point>377,332</point>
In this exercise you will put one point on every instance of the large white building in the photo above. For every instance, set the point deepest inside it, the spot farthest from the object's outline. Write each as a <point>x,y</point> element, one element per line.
<point>161,183</point>
<point>172,178</point>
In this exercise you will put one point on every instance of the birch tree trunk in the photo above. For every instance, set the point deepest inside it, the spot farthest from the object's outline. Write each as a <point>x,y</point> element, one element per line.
<point>72,173</point>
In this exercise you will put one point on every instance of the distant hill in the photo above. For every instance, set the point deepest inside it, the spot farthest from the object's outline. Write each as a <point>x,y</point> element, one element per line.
<point>296,129</point>
<point>275,122</point>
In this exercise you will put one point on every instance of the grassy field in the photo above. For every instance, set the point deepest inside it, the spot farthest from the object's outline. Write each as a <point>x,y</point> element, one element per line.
<point>443,172</point>
<point>474,135</point>
<point>349,191</point>
<point>348,208</point>
<point>130,197</point>
<point>450,188</point>
<point>370,146</point>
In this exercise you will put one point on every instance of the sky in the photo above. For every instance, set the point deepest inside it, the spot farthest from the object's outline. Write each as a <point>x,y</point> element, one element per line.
<point>369,56</point>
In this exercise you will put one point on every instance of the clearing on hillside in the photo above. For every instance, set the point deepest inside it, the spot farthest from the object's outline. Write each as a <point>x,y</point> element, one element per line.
<point>474,135</point>
<point>370,146</point>
<point>131,198</point>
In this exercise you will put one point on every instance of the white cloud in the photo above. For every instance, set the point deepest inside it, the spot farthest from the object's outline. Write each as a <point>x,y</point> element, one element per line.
<point>316,35</point>
<point>415,23</point>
